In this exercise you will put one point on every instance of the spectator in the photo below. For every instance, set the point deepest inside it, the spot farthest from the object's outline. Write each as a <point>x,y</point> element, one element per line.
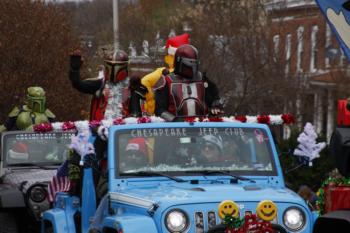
<point>308,195</point>
<point>211,149</point>
<point>136,155</point>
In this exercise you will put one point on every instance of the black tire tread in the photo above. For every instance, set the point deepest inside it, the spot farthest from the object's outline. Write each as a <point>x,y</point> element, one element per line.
<point>8,223</point>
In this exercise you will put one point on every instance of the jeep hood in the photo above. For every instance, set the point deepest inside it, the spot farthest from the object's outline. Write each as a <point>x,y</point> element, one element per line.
<point>177,194</point>
<point>24,178</point>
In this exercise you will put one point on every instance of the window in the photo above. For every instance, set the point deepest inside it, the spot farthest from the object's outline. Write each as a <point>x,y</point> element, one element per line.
<point>300,48</point>
<point>237,149</point>
<point>276,44</point>
<point>313,57</point>
<point>328,42</point>
<point>288,52</point>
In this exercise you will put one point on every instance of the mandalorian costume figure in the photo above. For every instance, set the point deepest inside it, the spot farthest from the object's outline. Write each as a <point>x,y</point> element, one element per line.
<point>186,92</point>
<point>150,80</point>
<point>33,112</point>
<point>112,94</point>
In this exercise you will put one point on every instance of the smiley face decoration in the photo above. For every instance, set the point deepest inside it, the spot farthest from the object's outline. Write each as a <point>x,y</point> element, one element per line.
<point>228,208</point>
<point>266,210</point>
<point>229,214</point>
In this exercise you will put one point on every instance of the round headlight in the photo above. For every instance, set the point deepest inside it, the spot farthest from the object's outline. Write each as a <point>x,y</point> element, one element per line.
<point>176,221</point>
<point>37,194</point>
<point>294,219</point>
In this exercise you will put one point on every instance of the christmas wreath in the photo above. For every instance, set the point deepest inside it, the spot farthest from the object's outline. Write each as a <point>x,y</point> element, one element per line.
<point>330,181</point>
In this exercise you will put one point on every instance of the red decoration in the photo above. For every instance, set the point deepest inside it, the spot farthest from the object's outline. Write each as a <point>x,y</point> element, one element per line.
<point>337,197</point>
<point>94,124</point>
<point>251,224</point>
<point>215,119</point>
<point>265,227</point>
<point>232,230</point>
<point>241,118</point>
<point>68,125</point>
<point>142,120</point>
<point>288,118</point>
<point>118,121</point>
<point>190,119</point>
<point>343,114</point>
<point>263,119</point>
<point>42,128</point>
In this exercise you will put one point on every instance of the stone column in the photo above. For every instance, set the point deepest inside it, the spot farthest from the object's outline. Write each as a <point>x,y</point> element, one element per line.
<point>286,128</point>
<point>330,114</point>
<point>318,112</point>
<point>299,118</point>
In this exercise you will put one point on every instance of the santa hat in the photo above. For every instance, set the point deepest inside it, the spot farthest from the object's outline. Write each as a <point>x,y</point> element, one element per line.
<point>174,42</point>
<point>19,151</point>
<point>137,144</point>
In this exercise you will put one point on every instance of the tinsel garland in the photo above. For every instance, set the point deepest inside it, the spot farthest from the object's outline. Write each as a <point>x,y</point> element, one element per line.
<point>320,203</point>
<point>249,223</point>
<point>78,125</point>
<point>231,222</point>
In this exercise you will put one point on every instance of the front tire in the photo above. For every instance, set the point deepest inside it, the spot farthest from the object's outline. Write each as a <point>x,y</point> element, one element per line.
<point>8,223</point>
<point>48,227</point>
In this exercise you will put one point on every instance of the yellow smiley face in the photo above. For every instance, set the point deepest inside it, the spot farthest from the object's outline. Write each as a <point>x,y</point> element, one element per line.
<point>228,208</point>
<point>266,210</point>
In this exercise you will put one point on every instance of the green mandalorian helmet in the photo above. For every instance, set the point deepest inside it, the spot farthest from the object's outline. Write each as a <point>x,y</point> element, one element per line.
<point>36,99</point>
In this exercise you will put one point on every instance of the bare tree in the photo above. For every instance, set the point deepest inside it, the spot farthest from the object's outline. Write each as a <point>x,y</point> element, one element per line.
<point>35,42</point>
<point>234,41</point>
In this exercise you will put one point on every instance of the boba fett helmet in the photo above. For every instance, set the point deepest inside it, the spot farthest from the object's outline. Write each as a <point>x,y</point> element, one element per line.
<point>117,66</point>
<point>36,99</point>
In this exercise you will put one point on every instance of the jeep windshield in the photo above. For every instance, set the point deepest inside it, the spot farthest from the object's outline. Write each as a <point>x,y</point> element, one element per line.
<point>29,149</point>
<point>194,151</point>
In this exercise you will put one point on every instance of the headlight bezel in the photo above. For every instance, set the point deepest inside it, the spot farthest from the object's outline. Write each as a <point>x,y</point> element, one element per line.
<point>185,216</point>
<point>303,216</point>
<point>37,188</point>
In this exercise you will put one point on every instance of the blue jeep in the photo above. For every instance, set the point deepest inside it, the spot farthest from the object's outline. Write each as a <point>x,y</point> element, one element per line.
<point>171,177</point>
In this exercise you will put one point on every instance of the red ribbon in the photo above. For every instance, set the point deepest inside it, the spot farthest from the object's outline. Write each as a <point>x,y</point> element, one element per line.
<point>42,128</point>
<point>68,125</point>
<point>263,119</point>
<point>288,118</point>
<point>241,118</point>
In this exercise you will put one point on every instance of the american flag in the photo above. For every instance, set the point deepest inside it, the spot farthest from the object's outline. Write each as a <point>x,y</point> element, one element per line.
<point>60,182</point>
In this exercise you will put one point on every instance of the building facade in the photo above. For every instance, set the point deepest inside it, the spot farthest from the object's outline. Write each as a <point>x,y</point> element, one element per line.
<point>304,44</point>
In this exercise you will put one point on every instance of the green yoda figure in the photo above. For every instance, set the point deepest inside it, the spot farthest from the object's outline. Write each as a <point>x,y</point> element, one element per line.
<point>33,112</point>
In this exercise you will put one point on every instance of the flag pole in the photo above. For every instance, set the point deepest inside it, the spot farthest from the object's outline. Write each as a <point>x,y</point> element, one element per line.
<point>115,25</point>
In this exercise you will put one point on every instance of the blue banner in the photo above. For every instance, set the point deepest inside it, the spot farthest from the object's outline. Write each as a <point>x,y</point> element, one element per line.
<point>337,13</point>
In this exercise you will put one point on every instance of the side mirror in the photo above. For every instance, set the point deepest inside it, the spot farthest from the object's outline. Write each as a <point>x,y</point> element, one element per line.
<point>340,150</point>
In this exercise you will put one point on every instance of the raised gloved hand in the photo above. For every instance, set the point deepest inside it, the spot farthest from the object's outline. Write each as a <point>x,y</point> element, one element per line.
<point>75,60</point>
<point>136,86</point>
<point>216,108</point>
<point>165,72</point>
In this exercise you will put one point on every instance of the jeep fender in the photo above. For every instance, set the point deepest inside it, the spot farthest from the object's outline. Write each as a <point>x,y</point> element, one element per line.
<point>61,221</point>
<point>338,221</point>
<point>11,198</point>
<point>131,223</point>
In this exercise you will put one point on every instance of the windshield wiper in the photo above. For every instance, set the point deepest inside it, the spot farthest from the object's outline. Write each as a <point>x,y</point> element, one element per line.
<point>210,172</point>
<point>151,173</point>
<point>32,165</point>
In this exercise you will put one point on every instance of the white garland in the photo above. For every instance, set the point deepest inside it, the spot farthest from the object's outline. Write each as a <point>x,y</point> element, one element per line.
<point>276,120</point>
<point>252,119</point>
<point>105,124</point>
